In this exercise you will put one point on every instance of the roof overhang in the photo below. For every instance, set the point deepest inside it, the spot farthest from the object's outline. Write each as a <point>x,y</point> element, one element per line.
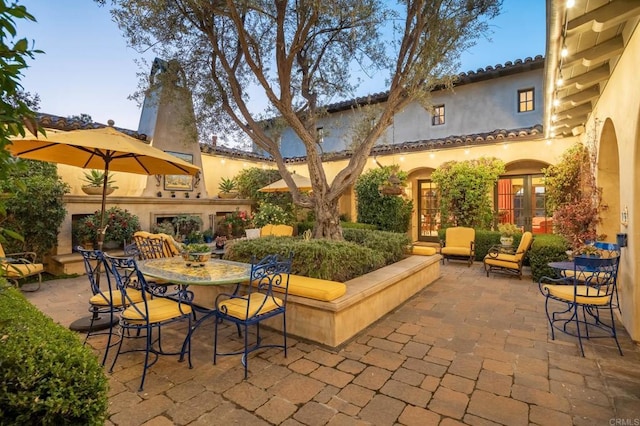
<point>594,34</point>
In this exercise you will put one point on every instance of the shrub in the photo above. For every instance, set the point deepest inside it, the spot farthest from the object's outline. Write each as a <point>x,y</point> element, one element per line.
<point>186,224</point>
<point>392,245</point>
<point>546,248</point>
<point>121,225</point>
<point>234,224</point>
<point>303,226</point>
<point>46,375</point>
<point>465,188</point>
<point>35,206</point>
<point>387,213</point>
<point>325,259</point>
<point>271,214</point>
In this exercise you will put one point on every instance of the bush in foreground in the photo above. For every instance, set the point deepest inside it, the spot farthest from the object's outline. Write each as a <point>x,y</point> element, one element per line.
<point>46,376</point>
<point>362,252</point>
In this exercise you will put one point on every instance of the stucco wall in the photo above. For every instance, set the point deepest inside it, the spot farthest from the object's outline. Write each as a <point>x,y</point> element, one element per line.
<point>620,103</point>
<point>469,109</point>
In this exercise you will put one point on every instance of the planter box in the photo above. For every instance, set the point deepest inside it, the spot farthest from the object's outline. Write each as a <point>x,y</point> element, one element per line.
<point>368,298</point>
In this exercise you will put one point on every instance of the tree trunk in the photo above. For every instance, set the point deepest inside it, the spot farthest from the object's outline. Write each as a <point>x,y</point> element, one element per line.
<point>327,219</point>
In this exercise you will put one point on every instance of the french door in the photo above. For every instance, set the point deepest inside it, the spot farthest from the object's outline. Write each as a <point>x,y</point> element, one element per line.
<point>428,211</point>
<point>521,200</point>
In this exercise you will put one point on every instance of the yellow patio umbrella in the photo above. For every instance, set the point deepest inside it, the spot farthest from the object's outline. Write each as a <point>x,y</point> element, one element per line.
<point>104,149</point>
<point>302,182</point>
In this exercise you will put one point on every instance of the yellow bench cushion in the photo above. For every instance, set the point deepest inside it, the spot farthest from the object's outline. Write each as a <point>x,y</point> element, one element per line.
<point>276,231</point>
<point>423,250</point>
<point>314,288</point>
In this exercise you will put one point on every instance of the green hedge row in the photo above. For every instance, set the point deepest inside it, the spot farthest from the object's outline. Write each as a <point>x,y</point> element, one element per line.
<point>362,251</point>
<point>546,248</point>
<point>303,226</point>
<point>47,377</point>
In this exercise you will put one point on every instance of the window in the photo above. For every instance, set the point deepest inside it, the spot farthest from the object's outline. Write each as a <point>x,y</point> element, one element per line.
<point>438,115</point>
<point>525,100</point>
<point>320,134</point>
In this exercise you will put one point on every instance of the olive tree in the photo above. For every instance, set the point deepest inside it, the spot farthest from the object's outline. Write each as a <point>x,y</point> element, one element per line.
<point>300,56</point>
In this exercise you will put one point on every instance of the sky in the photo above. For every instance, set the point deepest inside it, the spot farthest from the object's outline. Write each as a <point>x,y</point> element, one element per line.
<point>87,67</point>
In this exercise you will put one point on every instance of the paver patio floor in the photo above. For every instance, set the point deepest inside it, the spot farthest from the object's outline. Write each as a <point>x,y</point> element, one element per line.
<point>466,350</point>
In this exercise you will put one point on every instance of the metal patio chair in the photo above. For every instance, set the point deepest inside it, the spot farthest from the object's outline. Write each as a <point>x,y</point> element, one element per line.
<point>259,304</point>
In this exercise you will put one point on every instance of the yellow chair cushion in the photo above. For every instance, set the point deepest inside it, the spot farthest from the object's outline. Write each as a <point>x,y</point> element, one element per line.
<point>502,262</point>
<point>565,292</point>
<point>456,251</point>
<point>20,270</point>
<point>423,251</point>
<point>115,297</point>
<point>237,307</point>
<point>460,236</point>
<point>160,309</point>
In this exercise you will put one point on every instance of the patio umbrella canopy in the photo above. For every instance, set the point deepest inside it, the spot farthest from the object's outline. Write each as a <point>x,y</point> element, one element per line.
<point>303,183</point>
<point>105,149</point>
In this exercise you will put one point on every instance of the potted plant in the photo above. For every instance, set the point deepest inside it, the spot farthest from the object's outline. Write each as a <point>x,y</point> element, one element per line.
<point>164,227</point>
<point>95,180</point>
<point>507,231</point>
<point>207,234</point>
<point>234,224</point>
<point>196,254</point>
<point>228,188</point>
<point>121,225</point>
<point>220,241</point>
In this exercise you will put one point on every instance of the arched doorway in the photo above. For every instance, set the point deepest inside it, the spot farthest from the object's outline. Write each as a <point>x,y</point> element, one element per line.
<point>608,177</point>
<point>520,197</point>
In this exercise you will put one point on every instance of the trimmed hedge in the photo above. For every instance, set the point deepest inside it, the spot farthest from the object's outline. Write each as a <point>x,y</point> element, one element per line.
<point>47,377</point>
<point>303,226</point>
<point>546,248</point>
<point>362,252</point>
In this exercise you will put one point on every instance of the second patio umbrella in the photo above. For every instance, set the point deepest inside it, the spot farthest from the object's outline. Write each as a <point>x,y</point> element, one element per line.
<point>303,183</point>
<point>105,149</point>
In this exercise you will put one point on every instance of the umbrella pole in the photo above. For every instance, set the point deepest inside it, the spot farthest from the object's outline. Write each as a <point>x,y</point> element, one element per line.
<point>96,322</point>
<point>103,227</point>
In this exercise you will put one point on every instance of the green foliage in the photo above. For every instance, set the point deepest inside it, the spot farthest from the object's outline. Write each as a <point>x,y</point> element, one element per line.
<point>197,248</point>
<point>271,214</point>
<point>363,252</point>
<point>227,185</point>
<point>250,180</point>
<point>34,207</point>
<point>186,224</point>
<point>121,225</point>
<point>563,181</point>
<point>573,196</point>
<point>164,227</point>
<point>14,108</point>
<point>546,248</point>
<point>96,178</point>
<point>303,226</point>
<point>234,224</point>
<point>465,188</point>
<point>47,377</point>
<point>392,245</point>
<point>387,213</point>
<point>508,229</point>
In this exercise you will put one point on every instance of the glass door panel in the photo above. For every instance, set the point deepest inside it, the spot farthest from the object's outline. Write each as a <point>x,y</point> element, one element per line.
<point>428,211</point>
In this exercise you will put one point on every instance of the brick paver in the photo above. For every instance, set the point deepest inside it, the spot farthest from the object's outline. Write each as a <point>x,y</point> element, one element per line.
<point>466,350</point>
